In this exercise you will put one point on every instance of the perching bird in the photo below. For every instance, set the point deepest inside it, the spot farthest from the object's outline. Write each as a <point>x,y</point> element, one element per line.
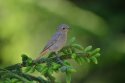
<point>57,42</point>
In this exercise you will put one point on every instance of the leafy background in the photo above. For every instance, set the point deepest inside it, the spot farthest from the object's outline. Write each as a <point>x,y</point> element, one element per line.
<point>26,26</point>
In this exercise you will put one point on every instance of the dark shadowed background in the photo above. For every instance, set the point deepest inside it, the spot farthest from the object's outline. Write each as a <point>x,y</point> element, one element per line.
<point>26,26</point>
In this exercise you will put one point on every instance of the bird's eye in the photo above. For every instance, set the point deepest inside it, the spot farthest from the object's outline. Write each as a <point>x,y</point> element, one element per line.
<point>63,28</point>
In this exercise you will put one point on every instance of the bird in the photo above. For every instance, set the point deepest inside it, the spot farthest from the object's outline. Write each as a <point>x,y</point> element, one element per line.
<point>57,42</point>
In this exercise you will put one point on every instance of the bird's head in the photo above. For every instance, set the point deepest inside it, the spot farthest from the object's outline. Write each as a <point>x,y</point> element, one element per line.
<point>63,28</point>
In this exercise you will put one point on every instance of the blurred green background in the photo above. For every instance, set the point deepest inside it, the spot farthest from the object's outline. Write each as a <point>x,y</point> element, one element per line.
<point>26,26</point>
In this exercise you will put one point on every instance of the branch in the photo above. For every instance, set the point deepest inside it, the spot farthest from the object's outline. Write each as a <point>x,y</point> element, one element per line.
<point>53,63</point>
<point>43,60</point>
<point>7,73</point>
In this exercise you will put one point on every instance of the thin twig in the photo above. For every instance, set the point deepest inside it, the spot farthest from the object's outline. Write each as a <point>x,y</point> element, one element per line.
<point>43,60</point>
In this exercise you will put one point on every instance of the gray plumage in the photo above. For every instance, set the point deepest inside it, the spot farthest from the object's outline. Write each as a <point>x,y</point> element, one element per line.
<point>58,41</point>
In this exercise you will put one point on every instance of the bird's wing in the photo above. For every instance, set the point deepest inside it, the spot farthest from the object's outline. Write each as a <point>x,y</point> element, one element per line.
<point>54,39</point>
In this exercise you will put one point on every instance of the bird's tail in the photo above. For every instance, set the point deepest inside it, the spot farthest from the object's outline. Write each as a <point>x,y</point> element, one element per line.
<point>41,54</point>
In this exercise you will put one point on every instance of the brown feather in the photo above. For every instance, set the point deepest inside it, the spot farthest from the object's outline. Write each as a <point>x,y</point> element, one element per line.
<point>41,54</point>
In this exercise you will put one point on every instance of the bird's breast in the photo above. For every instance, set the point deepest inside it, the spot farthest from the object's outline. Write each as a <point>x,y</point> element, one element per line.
<point>60,43</point>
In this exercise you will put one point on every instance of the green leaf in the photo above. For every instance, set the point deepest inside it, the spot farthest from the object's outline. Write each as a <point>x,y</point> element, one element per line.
<point>29,61</point>
<point>56,66</point>
<point>7,80</point>
<point>73,39</point>
<point>65,51</point>
<point>26,60</point>
<point>39,68</point>
<point>79,60</point>
<point>72,49</point>
<point>66,63</point>
<point>15,80</point>
<point>94,60</point>
<point>27,69</point>
<point>68,77</point>
<point>50,71</point>
<point>32,70</point>
<point>24,57</point>
<point>77,46</point>
<point>97,55</point>
<point>44,70</point>
<point>87,48</point>
<point>71,70</point>
<point>87,59</point>
<point>63,69</point>
<point>68,69</point>
<point>82,60</point>
<point>73,55</point>
<point>95,51</point>
<point>69,50</point>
